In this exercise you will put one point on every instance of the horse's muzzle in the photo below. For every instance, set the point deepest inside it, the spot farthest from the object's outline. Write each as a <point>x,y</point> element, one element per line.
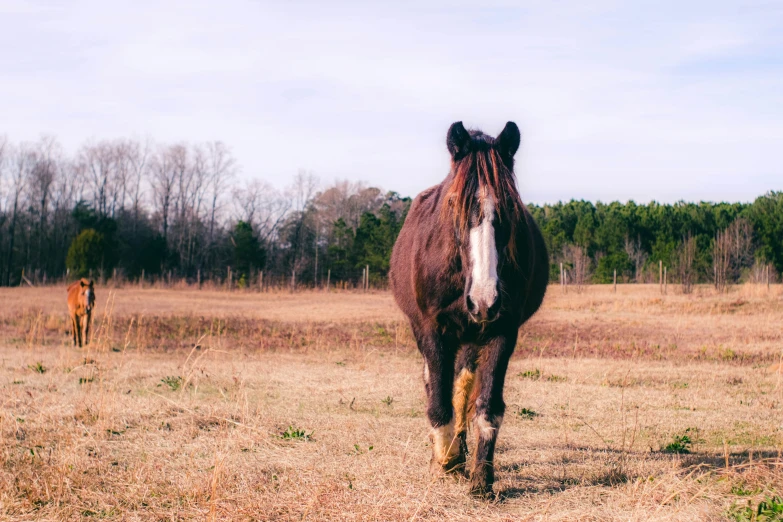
<point>481,313</point>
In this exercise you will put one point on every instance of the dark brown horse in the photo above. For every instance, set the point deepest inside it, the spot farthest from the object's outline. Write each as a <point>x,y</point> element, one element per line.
<point>469,267</point>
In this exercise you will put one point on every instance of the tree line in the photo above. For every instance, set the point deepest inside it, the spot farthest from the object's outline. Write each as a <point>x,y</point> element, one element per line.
<point>719,243</point>
<point>129,209</point>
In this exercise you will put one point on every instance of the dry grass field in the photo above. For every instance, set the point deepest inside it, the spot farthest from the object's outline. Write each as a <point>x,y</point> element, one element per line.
<point>201,405</point>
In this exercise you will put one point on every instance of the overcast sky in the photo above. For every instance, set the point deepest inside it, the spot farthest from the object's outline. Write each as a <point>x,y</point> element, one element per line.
<point>619,100</point>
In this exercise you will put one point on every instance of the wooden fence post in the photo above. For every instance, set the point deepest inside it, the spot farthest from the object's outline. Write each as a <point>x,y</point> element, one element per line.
<point>615,280</point>
<point>328,278</point>
<point>660,275</point>
<point>228,278</point>
<point>293,279</point>
<point>260,280</point>
<point>367,278</point>
<point>767,278</point>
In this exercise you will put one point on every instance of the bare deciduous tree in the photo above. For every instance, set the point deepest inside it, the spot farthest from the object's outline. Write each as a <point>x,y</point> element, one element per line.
<point>137,155</point>
<point>221,169</point>
<point>580,265</point>
<point>163,182</point>
<point>732,251</point>
<point>637,255</point>
<point>686,255</point>
<point>99,165</point>
<point>23,160</point>
<point>262,206</point>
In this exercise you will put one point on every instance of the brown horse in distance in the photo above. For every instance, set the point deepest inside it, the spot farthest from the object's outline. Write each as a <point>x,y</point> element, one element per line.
<point>469,267</point>
<point>81,300</point>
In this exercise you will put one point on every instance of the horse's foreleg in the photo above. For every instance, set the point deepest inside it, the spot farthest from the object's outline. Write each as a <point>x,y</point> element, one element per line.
<point>74,326</point>
<point>489,410</point>
<point>78,325</point>
<point>463,387</point>
<point>439,382</point>
<point>87,320</point>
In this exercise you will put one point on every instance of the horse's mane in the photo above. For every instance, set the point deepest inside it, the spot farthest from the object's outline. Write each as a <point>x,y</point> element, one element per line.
<point>482,172</point>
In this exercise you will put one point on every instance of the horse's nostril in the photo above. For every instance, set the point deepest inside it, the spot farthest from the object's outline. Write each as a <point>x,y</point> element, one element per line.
<point>495,308</point>
<point>470,305</point>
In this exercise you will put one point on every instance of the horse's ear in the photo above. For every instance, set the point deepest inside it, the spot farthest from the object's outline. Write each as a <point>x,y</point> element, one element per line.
<point>81,282</point>
<point>91,283</point>
<point>458,141</point>
<point>507,141</point>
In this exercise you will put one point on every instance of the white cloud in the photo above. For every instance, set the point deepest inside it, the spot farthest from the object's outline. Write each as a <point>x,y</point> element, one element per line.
<point>616,100</point>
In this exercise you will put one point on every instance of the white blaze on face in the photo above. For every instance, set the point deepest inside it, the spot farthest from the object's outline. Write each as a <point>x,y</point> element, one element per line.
<point>484,258</point>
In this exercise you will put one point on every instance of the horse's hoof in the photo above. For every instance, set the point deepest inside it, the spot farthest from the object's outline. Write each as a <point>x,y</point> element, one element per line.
<point>481,491</point>
<point>455,467</point>
<point>481,485</point>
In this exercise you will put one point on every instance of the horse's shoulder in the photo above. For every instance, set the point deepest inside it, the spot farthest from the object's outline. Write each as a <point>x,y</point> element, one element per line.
<point>426,202</point>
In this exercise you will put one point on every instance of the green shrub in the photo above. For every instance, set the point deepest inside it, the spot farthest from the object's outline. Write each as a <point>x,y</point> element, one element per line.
<point>85,252</point>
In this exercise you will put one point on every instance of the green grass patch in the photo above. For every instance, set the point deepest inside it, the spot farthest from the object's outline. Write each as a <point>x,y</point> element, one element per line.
<point>531,374</point>
<point>175,383</point>
<point>527,413</point>
<point>38,367</point>
<point>292,433</point>
<point>768,510</point>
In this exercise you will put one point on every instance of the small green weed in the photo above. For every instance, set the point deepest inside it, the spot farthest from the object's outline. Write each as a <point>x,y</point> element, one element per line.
<point>357,450</point>
<point>175,383</point>
<point>388,400</point>
<point>537,374</point>
<point>741,491</point>
<point>296,434</point>
<point>526,413</point>
<point>727,354</point>
<point>770,509</point>
<point>681,444</point>
<point>383,334</point>
<point>38,367</point>
<point>531,374</point>
<point>86,380</point>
